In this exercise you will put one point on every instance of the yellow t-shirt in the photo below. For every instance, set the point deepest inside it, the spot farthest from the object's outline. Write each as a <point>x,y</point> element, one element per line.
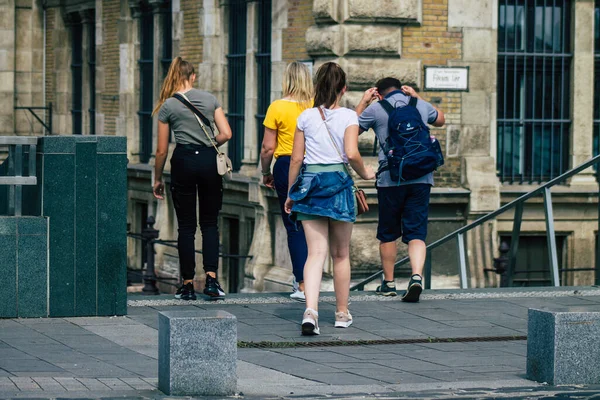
<point>281,117</point>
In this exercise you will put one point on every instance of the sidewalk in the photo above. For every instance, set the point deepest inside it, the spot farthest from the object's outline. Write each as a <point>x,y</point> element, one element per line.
<point>450,345</point>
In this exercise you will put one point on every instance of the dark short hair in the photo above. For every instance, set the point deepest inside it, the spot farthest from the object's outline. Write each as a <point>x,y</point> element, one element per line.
<point>387,83</point>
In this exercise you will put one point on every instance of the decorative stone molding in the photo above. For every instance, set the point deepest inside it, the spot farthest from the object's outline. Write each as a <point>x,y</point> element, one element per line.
<point>326,11</point>
<point>364,72</point>
<point>384,11</point>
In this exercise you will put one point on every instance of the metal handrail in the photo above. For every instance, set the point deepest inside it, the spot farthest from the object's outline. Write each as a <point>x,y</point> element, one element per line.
<point>518,203</point>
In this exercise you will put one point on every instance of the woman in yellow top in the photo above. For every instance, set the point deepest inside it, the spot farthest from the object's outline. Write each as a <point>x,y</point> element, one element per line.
<point>280,125</point>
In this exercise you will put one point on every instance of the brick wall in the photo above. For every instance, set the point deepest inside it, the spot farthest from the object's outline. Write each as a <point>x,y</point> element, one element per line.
<point>192,41</point>
<point>300,17</point>
<point>434,44</point>
<point>109,98</point>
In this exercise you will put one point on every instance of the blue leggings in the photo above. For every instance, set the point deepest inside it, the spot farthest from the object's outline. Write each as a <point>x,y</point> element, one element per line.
<point>295,236</point>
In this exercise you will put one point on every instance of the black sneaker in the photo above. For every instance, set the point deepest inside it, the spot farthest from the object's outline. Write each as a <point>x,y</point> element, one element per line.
<point>387,288</point>
<point>186,292</point>
<point>415,287</point>
<point>213,289</point>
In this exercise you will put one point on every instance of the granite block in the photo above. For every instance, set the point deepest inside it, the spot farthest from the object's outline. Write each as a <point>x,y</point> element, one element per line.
<point>8,273</point>
<point>32,226</point>
<point>57,144</point>
<point>8,225</point>
<point>32,272</point>
<point>563,346</point>
<point>59,206</point>
<point>197,353</point>
<point>85,229</point>
<point>112,144</point>
<point>112,234</point>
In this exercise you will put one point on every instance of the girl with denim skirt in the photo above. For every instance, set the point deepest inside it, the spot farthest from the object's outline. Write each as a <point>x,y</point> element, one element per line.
<point>321,193</point>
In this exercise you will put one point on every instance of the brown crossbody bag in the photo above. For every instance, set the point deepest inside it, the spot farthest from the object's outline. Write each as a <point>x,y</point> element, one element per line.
<point>361,199</point>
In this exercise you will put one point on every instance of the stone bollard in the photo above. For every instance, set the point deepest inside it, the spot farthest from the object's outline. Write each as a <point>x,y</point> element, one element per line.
<point>197,353</point>
<point>563,346</point>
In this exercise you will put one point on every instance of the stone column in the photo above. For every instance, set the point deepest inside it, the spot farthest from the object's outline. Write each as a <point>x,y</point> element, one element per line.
<point>250,158</point>
<point>582,89</point>
<point>88,22</point>
<point>7,65</point>
<point>279,18</point>
<point>127,123</point>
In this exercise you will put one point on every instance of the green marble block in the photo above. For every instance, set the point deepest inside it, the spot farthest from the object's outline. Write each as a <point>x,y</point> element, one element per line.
<point>23,267</point>
<point>83,190</point>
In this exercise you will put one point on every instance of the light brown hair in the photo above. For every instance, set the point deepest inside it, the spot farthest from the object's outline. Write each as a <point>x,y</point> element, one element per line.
<point>179,72</point>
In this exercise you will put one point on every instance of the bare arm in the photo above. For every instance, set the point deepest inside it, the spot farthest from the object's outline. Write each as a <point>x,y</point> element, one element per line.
<point>222,126</point>
<point>297,156</point>
<point>354,158</point>
<point>266,155</point>
<point>162,149</point>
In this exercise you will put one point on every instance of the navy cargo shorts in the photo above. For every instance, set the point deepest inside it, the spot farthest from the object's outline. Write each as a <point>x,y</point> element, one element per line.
<point>403,212</point>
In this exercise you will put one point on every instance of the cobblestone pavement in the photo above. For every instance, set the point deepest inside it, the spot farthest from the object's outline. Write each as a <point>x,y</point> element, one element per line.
<point>454,344</point>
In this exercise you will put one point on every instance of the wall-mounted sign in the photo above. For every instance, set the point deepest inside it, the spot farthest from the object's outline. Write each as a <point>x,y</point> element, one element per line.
<point>447,79</point>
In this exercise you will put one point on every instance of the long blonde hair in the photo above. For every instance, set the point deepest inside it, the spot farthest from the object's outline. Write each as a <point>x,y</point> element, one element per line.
<point>297,83</point>
<point>179,72</point>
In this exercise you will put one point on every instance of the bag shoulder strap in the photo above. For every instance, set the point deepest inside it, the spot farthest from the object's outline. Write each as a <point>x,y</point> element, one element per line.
<point>202,120</point>
<point>413,102</point>
<point>320,108</point>
<point>386,106</point>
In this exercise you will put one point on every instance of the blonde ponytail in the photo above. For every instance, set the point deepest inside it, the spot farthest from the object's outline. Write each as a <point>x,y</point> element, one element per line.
<point>179,72</point>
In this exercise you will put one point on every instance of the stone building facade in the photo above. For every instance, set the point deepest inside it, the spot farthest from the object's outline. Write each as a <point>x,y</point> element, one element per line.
<point>100,63</point>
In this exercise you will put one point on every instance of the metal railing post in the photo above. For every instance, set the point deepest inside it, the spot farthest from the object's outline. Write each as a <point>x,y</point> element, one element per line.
<point>462,261</point>
<point>550,235</point>
<point>427,270</point>
<point>149,235</point>
<point>514,244</point>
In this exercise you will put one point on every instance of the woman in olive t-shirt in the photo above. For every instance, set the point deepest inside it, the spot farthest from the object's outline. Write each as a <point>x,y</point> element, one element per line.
<point>194,176</point>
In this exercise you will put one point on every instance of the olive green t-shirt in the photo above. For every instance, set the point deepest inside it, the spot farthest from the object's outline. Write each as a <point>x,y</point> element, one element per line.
<point>182,120</point>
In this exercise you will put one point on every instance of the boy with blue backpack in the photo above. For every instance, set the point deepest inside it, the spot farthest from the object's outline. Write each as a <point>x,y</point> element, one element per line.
<point>408,155</point>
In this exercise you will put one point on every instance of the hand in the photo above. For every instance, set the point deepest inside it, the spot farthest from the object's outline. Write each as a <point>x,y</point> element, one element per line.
<point>369,173</point>
<point>159,190</point>
<point>269,181</point>
<point>409,91</point>
<point>288,205</point>
<point>369,95</point>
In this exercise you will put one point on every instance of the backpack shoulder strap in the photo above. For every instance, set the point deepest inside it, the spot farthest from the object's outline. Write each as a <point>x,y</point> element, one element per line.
<point>386,106</point>
<point>413,102</point>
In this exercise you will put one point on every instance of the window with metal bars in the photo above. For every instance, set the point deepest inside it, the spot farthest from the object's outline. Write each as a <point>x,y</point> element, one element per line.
<point>92,72</point>
<point>236,73</point>
<point>263,66</point>
<point>597,78</point>
<point>146,64</point>
<point>77,76</point>
<point>534,58</point>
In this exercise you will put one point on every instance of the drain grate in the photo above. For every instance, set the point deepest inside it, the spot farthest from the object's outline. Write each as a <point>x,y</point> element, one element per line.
<point>341,343</point>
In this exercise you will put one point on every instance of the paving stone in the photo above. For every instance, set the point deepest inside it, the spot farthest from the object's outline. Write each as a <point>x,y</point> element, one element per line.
<point>115,384</point>
<point>48,384</point>
<point>28,365</point>
<point>25,384</point>
<point>71,384</point>
<point>93,384</point>
<point>6,384</point>
<point>138,384</point>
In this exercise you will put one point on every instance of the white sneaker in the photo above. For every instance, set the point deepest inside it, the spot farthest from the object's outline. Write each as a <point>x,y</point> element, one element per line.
<point>310,322</point>
<point>298,296</point>
<point>343,320</point>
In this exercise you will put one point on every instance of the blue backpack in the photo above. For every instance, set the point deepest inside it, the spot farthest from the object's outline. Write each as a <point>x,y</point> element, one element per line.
<point>410,152</point>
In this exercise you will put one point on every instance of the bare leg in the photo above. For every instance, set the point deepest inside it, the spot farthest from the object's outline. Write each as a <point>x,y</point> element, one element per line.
<point>388,253</point>
<point>316,232</point>
<point>417,252</point>
<point>339,245</point>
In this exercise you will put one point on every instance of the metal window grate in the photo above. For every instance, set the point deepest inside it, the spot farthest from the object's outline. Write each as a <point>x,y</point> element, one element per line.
<point>534,59</point>
<point>597,78</point>
<point>92,72</point>
<point>263,66</point>
<point>77,77</point>
<point>236,71</point>
<point>146,64</point>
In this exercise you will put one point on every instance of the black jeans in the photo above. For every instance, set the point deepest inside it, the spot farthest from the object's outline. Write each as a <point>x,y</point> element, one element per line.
<point>194,173</point>
<point>295,236</point>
